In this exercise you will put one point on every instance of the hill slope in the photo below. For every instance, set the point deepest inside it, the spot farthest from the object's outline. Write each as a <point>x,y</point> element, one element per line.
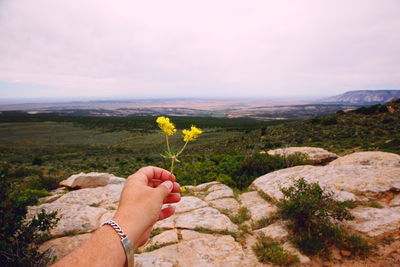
<point>363,97</point>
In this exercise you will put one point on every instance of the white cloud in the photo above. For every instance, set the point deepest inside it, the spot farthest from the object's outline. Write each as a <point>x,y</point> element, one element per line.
<point>178,47</point>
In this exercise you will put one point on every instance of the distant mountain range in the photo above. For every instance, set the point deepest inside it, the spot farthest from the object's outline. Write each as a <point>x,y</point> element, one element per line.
<point>363,97</point>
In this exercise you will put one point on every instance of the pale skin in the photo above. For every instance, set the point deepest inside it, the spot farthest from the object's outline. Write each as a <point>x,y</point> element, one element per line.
<point>140,207</point>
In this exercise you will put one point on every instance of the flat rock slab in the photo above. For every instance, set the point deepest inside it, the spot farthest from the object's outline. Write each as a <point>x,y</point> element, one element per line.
<point>205,217</point>
<point>61,247</point>
<point>257,206</point>
<point>101,196</point>
<point>229,204</point>
<point>346,182</point>
<point>205,186</point>
<point>85,180</point>
<point>206,251</point>
<point>395,201</point>
<point>188,204</point>
<point>190,235</point>
<point>315,154</point>
<point>369,158</point>
<point>276,231</point>
<point>375,221</point>
<point>218,187</point>
<point>167,237</point>
<point>219,194</point>
<point>73,218</point>
<point>152,260</point>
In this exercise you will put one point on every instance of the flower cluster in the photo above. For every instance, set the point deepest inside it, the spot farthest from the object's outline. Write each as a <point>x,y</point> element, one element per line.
<point>192,134</point>
<point>166,126</point>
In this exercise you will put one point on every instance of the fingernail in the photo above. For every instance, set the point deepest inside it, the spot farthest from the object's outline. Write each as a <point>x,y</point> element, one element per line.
<point>168,184</point>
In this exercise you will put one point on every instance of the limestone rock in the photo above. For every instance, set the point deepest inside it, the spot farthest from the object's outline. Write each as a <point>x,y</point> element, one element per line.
<point>62,246</point>
<point>205,217</point>
<point>85,180</point>
<point>219,194</point>
<point>346,182</point>
<point>395,201</point>
<point>276,231</point>
<point>164,238</point>
<point>152,260</point>
<point>218,187</point>
<point>206,251</point>
<point>190,235</point>
<point>257,206</point>
<point>369,158</point>
<point>116,180</point>
<point>375,221</point>
<point>49,199</point>
<point>314,154</point>
<point>228,204</point>
<point>303,258</point>
<point>189,203</point>
<point>205,186</point>
<point>99,196</point>
<point>73,218</point>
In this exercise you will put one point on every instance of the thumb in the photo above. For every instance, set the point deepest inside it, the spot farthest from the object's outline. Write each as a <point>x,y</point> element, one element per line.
<point>165,188</point>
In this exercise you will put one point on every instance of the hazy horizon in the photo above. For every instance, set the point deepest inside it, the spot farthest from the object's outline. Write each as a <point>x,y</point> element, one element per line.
<point>167,49</point>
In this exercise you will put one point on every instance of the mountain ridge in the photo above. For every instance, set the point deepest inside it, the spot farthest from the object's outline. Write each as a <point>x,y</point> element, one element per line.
<point>363,97</point>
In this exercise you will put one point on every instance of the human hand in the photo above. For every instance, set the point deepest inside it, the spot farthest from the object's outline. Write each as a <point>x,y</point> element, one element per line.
<point>141,201</point>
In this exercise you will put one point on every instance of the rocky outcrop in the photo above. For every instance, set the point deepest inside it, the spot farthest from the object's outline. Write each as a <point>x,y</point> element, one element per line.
<point>369,158</point>
<point>92,179</point>
<point>201,232</point>
<point>316,155</point>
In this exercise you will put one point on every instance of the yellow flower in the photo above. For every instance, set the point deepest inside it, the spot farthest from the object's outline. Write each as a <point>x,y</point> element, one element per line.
<point>183,189</point>
<point>192,134</point>
<point>166,126</point>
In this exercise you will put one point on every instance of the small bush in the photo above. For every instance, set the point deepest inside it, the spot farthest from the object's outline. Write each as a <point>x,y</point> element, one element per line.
<point>314,215</point>
<point>242,216</point>
<point>268,250</point>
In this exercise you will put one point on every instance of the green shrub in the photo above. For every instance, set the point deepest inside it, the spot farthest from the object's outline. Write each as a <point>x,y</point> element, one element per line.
<point>314,215</point>
<point>19,238</point>
<point>242,216</point>
<point>268,250</point>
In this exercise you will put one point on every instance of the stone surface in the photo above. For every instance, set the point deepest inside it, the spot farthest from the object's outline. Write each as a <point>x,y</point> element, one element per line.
<point>315,154</point>
<point>203,187</point>
<point>346,182</point>
<point>167,237</point>
<point>207,251</point>
<point>205,217</point>
<point>375,221</point>
<point>73,218</point>
<point>369,158</point>
<point>190,235</point>
<point>303,258</point>
<point>62,246</point>
<point>85,180</point>
<point>101,196</point>
<point>152,260</point>
<point>395,201</point>
<point>219,194</point>
<point>228,204</point>
<point>116,180</point>
<point>188,204</point>
<point>257,206</point>
<point>49,199</point>
<point>218,187</point>
<point>276,231</point>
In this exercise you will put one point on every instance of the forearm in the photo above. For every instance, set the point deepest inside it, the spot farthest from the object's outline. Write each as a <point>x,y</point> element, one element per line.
<point>103,249</point>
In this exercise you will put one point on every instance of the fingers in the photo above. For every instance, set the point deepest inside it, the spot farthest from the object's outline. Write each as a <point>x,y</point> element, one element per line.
<point>176,188</point>
<point>166,212</point>
<point>172,198</point>
<point>150,173</point>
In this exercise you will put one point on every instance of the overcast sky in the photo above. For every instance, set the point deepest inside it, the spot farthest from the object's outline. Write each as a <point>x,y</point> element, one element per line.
<point>185,48</point>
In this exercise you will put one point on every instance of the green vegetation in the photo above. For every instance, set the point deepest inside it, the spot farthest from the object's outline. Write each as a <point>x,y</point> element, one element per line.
<point>314,215</point>
<point>20,238</point>
<point>268,250</point>
<point>264,222</point>
<point>242,216</point>
<point>157,246</point>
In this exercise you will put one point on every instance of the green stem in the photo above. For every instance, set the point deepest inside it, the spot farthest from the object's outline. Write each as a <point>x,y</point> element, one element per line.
<point>183,148</point>
<point>172,164</point>
<point>168,147</point>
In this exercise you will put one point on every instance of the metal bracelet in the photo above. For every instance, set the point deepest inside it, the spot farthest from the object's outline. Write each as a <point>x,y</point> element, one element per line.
<point>126,243</point>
